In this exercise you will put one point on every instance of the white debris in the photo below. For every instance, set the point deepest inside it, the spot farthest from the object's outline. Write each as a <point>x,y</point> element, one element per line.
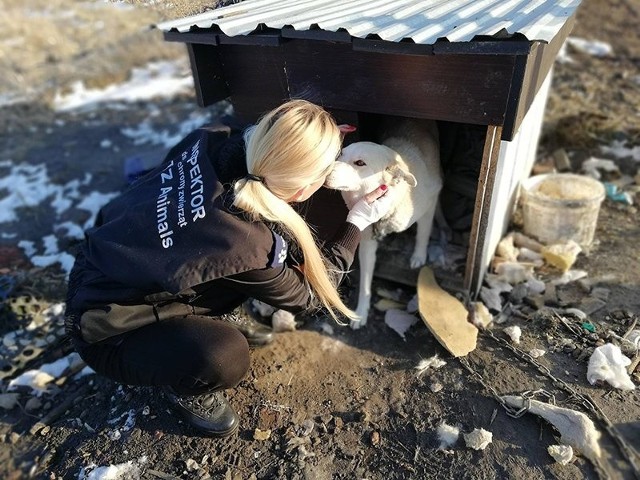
<point>506,249</point>
<point>592,166</point>
<point>535,286</point>
<point>514,272</point>
<point>478,439</point>
<point>128,470</point>
<point>283,321</point>
<point>447,434</point>
<point>327,328</point>
<point>608,364</point>
<point>263,309</point>
<point>412,306</point>
<point>399,320</point>
<point>191,465</point>
<point>479,315</point>
<point>634,338</point>
<point>579,314</point>
<point>569,276</point>
<point>537,352</point>
<point>576,429</point>
<point>514,333</point>
<point>563,454</point>
<point>527,255</point>
<point>435,387</point>
<point>395,295</point>
<point>491,298</point>
<point>496,283</point>
<point>427,363</point>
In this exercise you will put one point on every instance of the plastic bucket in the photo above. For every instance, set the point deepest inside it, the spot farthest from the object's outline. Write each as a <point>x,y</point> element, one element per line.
<point>559,207</point>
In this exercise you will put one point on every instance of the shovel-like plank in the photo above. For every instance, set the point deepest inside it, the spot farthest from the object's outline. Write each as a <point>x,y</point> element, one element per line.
<point>445,316</point>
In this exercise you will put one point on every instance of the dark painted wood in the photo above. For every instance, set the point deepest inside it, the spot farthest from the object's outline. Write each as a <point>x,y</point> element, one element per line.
<point>480,226</point>
<point>461,88</point>
<point>208,75</point>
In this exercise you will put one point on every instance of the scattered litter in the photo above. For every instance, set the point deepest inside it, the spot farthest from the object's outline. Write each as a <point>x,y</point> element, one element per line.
<point>592,166</point>
<point>569,277</point>
<point>130,469</point>
<point>425,364</point>
<point>563,454</point>
<point>448,435</point>
<point>608,364</point>
<point>395,295</point>
<point>283,321</point>
<point>523,241</point>
<point>615,194</point>
<point>412,306</point>
<point>561,255</point>
<point>479,315</point>
<point>576,312</point>
<point>399,321</point>
<point>327,328</point>
<point>262,308</point>
<point>261,435</point>
<point>506,249</point>
<point>537,352</point>
<point>385,304</point>
<point>478,439</point>
<point>491,298</point>
<point>514,333</point>
<point>575,428</point>
<point>514,272</point>
<point>589,327</point>
<point>436,387</point>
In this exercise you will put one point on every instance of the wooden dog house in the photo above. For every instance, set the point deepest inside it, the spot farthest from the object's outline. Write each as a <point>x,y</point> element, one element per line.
<point>481,66</point>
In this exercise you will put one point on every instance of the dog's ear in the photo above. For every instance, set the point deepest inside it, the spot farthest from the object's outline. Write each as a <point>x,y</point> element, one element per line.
<point>399,172</point>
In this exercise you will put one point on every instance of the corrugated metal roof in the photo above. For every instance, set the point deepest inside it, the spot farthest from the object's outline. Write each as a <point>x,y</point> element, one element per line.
<point>420,21</point>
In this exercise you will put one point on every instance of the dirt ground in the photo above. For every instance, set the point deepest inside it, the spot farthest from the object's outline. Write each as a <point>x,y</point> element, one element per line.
<point>339,404</point>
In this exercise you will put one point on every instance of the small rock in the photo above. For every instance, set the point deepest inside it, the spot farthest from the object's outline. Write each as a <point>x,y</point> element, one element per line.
<point>478,439</point>
<point>8,400</point>
<point>563,454</point>
<point>514,333</point>
<point>435,387</point>
<point>32,404</point>
<point>591,305</point>
<point>375,438</point>
<point>192,465</point>
<point>601,293</point>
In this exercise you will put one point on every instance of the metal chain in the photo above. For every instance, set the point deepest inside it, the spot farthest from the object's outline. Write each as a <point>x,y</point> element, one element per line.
<point>584,399</point>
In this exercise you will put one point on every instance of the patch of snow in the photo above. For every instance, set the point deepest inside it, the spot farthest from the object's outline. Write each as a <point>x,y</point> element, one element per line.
<point>157,79</point>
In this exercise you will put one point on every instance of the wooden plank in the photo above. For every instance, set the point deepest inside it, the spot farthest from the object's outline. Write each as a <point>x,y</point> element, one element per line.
<point>445,316</point>
<point>208,75</point>
<point>256,78</point>
<point>474,270</point>
<point>460,88</point>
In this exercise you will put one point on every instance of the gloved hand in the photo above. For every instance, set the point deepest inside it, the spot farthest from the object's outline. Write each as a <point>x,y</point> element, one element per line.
<point>370,209</point>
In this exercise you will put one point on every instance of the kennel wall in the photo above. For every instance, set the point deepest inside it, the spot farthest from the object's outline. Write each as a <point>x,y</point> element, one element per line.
<point>486,64</point>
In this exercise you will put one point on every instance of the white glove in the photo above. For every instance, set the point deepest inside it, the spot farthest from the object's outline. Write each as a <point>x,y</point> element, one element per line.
<point>370,209</point>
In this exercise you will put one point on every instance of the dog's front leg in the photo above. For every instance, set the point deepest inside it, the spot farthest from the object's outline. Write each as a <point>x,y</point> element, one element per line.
<point>423,232</point>
<point>367,259</point>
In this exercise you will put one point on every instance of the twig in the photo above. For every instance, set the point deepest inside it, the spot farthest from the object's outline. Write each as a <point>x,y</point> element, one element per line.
<point>57,412</point>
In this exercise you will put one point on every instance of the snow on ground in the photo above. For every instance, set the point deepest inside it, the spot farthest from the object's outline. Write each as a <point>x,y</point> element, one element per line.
<point>29,185</point>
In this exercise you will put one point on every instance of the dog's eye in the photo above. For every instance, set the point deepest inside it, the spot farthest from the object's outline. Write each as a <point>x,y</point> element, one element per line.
<point>359,163</point>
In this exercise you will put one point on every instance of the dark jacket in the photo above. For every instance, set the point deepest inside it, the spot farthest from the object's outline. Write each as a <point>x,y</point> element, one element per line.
<point>174,238</point>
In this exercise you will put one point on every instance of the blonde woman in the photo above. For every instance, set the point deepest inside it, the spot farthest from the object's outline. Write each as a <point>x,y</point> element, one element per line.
<point>156,291</point>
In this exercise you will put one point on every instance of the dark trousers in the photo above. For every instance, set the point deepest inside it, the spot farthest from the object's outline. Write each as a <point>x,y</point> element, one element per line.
<point>192,354</point>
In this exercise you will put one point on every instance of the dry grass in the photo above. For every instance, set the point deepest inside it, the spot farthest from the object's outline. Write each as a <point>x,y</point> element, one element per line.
<point>46,45</point>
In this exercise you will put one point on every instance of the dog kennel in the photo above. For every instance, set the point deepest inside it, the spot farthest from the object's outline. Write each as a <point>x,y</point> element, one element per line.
<point>481,69</point>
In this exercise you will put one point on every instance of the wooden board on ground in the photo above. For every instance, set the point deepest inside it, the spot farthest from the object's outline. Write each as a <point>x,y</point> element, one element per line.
<point>445,316</point>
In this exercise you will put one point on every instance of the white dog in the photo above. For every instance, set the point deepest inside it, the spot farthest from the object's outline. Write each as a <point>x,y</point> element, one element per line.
<point>408,162</point>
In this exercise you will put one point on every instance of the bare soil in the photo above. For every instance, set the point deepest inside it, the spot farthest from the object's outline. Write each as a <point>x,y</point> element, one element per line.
<point>343,404</point>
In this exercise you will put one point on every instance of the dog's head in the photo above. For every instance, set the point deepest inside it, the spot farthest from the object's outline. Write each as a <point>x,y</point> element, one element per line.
<point>364,166</point>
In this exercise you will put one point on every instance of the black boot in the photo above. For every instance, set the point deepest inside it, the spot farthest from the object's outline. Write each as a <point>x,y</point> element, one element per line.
<point>256,333</point>
<point>209,412</point>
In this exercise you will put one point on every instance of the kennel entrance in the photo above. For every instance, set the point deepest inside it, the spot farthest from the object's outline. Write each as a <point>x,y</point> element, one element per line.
<point>480,70</point>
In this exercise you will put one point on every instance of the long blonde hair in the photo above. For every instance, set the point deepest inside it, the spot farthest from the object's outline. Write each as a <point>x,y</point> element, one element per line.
<point>290,147</point>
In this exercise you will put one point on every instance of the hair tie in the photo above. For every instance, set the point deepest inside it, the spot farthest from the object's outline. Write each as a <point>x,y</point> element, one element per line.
<point>251,176</point>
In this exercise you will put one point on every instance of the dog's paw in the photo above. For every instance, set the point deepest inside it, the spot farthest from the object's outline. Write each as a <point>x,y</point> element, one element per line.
<point>418,260</point>
<point>357,324</point>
